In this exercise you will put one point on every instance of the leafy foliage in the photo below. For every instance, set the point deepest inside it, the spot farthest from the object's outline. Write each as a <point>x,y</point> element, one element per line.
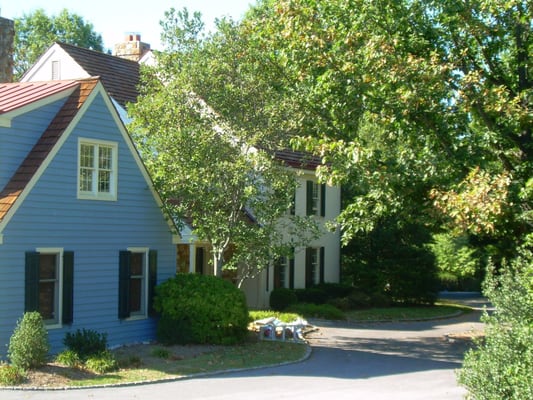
<point>200,309</point>
<point>69,358</point>
<point>392,261</point>
<point>211,161</point>
<point>11,375</point>
<point>35,32</point>
<point>28,345</point>
<point>86,343</point>
<point>407,100</point>
<point>282,298</point>
<point>102,362</point>
<point>500,368</point>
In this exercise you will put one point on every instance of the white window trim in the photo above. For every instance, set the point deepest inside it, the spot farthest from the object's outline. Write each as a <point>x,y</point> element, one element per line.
<point>144,313</point>
<point>59,301</point>
<point>94,194</point>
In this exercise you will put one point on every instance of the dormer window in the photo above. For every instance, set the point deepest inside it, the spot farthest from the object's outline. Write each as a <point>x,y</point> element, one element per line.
<point>97,170</point>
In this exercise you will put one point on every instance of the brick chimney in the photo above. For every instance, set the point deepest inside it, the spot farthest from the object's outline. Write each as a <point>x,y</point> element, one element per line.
<point>131,48</point>
<point>7,36</point>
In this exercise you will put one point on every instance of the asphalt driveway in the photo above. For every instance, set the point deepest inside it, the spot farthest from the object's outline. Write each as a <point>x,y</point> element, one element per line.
<point>377,361</point>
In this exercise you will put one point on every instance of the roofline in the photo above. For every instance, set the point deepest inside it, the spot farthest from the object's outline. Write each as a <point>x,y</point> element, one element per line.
<point>98,89</point>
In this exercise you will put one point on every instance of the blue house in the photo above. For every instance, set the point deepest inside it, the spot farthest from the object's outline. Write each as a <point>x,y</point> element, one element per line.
<point>83,234</point>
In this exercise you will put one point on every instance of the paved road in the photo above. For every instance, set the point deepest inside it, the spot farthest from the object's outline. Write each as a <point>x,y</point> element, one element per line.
<point>378,361</point>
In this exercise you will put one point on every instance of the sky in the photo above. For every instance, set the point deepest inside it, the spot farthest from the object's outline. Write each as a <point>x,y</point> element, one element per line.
<point>113,19</point>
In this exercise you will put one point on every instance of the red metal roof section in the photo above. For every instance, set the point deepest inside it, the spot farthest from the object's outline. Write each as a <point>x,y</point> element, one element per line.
<point>48,140</point>
<point>16,95</point>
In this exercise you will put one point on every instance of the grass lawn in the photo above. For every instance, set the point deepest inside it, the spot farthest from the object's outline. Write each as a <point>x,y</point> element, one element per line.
<point>151,362</point>
<point>399,313</point>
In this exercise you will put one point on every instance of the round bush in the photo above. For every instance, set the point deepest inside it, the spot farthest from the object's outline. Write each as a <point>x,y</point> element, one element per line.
<point>28,346</point>
<point>200,309</point>
<point>281,298</point>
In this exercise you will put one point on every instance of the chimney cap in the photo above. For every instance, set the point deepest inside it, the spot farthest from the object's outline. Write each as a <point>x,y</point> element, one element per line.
<point>133,37</point>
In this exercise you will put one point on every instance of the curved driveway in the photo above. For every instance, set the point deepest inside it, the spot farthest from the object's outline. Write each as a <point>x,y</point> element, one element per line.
<point>413,360</point>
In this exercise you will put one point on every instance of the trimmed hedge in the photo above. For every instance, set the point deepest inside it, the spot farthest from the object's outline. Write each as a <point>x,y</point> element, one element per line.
<point>281,298</point>
<point>200,309</point>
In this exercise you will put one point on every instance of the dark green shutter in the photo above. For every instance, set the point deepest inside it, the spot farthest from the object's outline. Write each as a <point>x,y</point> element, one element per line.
<point>277,273</point>
<point>152,280</point>
<point>323,200</point>
<point>199,263</point>
<point>31,281</point>
<point>291,271</point>
<point>124,276</point>
<point>308,267</point>
<point>267,288</point>
<point>321,263</point>
<point>293,204</point>
<point>67,314</point>
<point>309,198</point>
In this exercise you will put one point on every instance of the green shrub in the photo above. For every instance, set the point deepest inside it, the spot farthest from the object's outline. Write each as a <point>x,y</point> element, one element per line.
<point>313,295</point>
<point>335,290</point>
<point>160,352</point>
<point>500,367</point>
<point>200,309</point>
<point>342,303</point>
<point>281,298</point>
<point>325,311</point>
<point>11,375</point>
<point>28,346</point>
<point>101,363</point>
<point>69,358</point>
<point>86,343</point>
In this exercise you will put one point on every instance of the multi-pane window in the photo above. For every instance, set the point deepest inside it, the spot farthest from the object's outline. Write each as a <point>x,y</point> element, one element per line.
<point>49,287</point>
<point>316,198</point>
<point>137,280</point>
<point>97,170</point>
<point>280,273</point>
<point>314,266</point>
<point>138,283</point>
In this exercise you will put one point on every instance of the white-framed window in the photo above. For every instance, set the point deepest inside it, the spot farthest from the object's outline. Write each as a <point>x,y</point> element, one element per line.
<point>314,266</point>
<point>281,272</point>
<point>97,170</point>
<point>50,285</point>
<point>316,198</point>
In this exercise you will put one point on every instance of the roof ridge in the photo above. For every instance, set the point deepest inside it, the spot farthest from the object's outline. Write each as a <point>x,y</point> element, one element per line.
<point>40,151</point>
<point>95,52</point>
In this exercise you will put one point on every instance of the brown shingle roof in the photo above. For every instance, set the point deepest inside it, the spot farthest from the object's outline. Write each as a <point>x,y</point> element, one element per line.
<point>119,76</point>
<point>47,141</point>
<point>297,159</point>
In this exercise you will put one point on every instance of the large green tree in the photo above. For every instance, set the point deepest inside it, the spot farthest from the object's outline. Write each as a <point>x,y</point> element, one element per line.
<point>36,31</point>
<point>399,97</point>
<point>210,161</point>
<point>415,105</point>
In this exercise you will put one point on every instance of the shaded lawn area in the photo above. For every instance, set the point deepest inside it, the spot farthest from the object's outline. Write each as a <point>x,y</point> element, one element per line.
<point>441,309</point>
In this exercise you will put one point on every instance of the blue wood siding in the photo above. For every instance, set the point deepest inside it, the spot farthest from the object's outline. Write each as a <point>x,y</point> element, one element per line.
<point>52,216</point>
<point>17,141</point>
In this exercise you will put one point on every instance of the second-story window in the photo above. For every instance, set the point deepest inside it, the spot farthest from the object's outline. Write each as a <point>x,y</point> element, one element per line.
<point>97,177</point>
<point>316,199</point>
